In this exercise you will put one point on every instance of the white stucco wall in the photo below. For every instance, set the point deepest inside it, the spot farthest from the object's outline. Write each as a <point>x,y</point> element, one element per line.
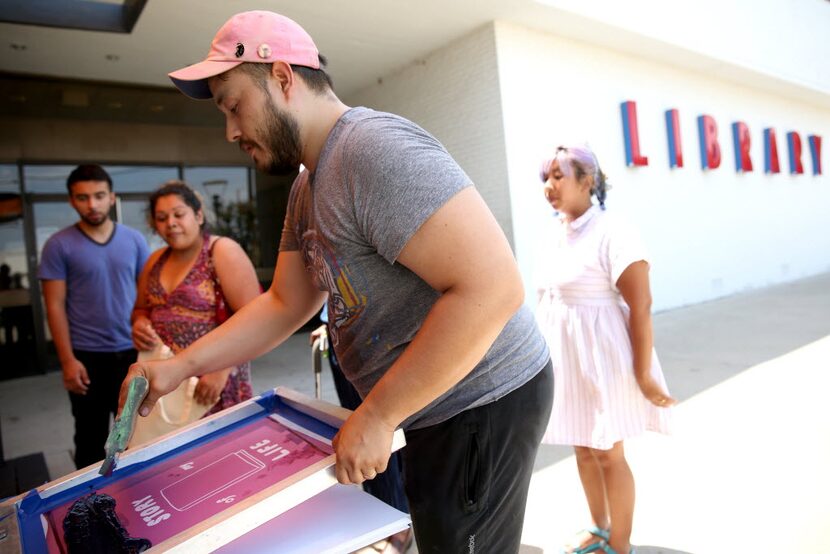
<point>454,94</point>
<point>504,96</point>
<point>786,40</point>
<point>710,233</point>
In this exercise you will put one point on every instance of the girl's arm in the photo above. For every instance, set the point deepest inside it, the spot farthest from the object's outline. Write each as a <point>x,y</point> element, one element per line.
<point>634,287</point>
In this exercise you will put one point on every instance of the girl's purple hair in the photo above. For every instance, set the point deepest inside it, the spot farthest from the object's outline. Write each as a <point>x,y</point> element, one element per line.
<point>579,161</point>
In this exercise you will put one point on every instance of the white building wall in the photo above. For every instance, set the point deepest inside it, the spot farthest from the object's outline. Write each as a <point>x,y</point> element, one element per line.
<point>710,233</point>
<point>454,94</point>
<point>501,98</point>
<point>786,40</point>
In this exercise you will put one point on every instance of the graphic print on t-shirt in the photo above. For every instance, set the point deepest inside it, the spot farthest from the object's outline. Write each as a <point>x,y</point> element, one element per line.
<point>345,303</point>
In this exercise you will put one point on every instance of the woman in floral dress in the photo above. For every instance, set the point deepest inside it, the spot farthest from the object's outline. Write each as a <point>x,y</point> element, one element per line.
<point>187,288</point>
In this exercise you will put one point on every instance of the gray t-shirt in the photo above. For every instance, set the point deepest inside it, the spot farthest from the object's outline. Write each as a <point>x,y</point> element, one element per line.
<point>379,178</point>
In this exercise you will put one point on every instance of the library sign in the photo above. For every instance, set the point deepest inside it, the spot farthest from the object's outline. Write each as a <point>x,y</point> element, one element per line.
<point>710,149</point>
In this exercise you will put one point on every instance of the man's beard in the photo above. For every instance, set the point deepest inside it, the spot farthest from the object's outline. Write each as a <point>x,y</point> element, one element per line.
<point>282,139</point>
<point>94,223</point>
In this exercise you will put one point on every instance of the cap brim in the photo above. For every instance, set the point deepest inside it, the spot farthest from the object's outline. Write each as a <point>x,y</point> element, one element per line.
<point>192,80</point>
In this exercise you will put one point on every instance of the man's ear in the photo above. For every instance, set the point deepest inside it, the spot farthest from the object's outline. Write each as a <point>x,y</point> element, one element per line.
<point>282,73</point>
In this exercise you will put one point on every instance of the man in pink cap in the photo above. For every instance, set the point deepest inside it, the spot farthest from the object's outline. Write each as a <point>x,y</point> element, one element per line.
<point>425,300</point>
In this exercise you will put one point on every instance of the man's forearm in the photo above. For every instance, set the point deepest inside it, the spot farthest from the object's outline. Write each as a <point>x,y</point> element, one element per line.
<point>59,327</point>
<point>257,328</point>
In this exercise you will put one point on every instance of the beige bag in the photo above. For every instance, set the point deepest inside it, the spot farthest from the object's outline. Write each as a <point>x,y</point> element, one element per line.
<point>172,410</point>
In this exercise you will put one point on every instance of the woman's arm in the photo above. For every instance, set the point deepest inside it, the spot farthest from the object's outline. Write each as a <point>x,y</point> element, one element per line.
<point>236,273</point>
<point>634,287</point>
<point>240,286</point>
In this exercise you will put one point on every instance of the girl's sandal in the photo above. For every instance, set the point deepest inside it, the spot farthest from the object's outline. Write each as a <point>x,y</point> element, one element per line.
<point>605,547</point>
<point>602,534</point>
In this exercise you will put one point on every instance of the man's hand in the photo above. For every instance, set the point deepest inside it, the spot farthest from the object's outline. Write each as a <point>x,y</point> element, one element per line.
<point>362,446</point>
<point>144,336</point>
<point>319,332</point>
<point>75,377</point>
<point>163,377</point>
<point>210,387</point>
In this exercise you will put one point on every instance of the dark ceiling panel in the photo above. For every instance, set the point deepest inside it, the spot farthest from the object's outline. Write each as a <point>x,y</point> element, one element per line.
<point>37,97</point>
<point>74,14</point>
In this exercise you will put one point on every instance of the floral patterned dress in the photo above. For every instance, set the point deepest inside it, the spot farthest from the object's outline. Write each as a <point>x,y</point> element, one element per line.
<point>189,311</point>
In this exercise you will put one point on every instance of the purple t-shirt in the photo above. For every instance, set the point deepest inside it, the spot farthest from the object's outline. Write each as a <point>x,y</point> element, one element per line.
<point>100,284</point>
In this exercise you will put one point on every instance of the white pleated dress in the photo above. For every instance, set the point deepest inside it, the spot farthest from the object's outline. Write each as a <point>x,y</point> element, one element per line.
<point>585,320</point>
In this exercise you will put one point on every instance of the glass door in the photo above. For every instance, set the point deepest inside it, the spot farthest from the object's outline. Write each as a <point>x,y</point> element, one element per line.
<point>131,210</point>
<point>49,217</point>
<point>18,343</point>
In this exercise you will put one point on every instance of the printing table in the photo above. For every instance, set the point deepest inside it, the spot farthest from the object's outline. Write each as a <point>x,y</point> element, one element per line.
<point>256,477</point>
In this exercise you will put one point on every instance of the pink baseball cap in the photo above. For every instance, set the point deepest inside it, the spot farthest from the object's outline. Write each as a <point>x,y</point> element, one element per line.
<point>255,36</point>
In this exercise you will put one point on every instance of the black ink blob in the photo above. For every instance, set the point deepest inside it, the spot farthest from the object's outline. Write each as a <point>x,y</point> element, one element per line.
<point>240,49</point>
<point>91,526</point>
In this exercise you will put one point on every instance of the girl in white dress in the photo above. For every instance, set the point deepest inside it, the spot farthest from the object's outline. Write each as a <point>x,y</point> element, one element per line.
<point>595,310</point>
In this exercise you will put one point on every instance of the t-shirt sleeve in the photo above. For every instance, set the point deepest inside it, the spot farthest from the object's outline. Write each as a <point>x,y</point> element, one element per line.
<point>399,176</point>
<point>289,241</point>
<point>624,247</point>
<point>142,253</point>
<point>52,264</point>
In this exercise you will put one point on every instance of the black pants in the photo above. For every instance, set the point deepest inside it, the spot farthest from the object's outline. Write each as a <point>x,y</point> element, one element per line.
<point>467,478</point>
<point>106,371</point>
<point>387,486</point>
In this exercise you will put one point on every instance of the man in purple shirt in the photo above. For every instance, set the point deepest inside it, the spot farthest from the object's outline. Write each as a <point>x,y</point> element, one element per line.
<point>88,272</point>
